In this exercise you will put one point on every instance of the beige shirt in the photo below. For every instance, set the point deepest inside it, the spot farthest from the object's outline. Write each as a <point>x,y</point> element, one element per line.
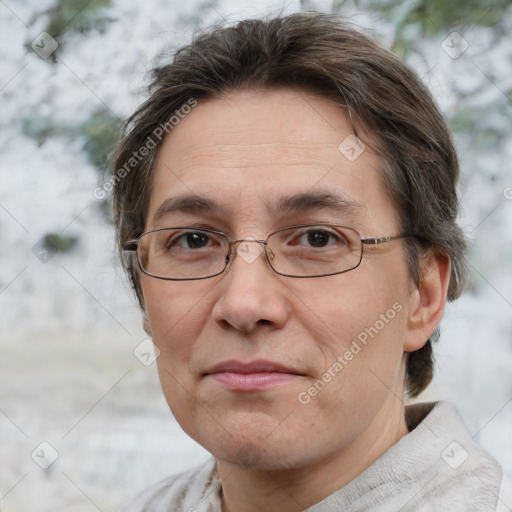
<point>436,467</point>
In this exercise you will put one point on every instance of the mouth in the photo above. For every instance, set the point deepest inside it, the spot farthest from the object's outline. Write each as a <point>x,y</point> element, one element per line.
<point>259,375</point>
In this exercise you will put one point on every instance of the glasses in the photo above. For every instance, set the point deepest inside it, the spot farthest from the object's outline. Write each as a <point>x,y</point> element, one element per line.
<point>305,250</point>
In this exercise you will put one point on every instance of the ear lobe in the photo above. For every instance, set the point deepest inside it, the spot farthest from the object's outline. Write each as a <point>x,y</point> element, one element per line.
<point>427,301</point>
<point>146,324</point>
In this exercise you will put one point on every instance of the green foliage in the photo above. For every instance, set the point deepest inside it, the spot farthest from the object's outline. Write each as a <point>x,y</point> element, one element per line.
<point>338,5</point>
<point>439,16</point>
<point>59,243</point>
<point>72,15</point>
<point>42,128</point>
<point>417,19</point>
<point>488,129</point>
<point>77,15</point>
<point>101,134</point>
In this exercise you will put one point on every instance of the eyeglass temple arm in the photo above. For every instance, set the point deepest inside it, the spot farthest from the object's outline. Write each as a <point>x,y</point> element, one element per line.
<point>130,246</point>
<point>383,239</point>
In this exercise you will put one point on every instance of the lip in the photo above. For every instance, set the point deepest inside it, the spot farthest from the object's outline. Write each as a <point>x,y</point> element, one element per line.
<point>258,375</point>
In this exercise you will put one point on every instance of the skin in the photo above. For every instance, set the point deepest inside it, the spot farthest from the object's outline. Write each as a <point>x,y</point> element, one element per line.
<point>244,150</point>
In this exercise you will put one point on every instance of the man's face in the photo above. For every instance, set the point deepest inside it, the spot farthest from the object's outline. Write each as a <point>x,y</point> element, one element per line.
<point>247,153</point>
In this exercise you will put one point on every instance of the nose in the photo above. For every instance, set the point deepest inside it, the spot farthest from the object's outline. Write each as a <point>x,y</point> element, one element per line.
<point>251,295</point>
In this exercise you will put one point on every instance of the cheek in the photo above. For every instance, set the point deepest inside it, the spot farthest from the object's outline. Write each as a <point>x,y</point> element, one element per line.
<point>177,315</point>
<point>358,340</point>
<point>360,374</point>
<point>345,307</point>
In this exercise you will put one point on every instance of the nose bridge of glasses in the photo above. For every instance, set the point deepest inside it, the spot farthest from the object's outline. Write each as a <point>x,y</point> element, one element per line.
<point>248,239</point>
<point>249,251</point>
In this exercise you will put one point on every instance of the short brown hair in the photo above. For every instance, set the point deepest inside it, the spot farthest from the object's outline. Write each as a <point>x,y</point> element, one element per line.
<point>322,54</point>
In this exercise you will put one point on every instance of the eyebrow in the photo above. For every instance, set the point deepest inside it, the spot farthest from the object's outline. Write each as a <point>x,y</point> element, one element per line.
<point>188,204</point>
<point>307,201</point>
<point>295,203</point>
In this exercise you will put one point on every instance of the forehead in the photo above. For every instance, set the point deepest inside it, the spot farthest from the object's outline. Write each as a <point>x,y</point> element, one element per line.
<point>270,127</point>
<point>257,148</point>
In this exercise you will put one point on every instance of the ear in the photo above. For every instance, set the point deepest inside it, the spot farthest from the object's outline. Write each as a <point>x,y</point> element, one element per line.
<point>427,301</point>
<point>146,324</point>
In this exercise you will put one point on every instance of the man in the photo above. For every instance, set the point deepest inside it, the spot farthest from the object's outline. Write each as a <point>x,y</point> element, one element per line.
<point>286,202</point>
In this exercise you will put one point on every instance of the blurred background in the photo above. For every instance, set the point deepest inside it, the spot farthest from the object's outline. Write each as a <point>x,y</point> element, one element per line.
<point>83,423</point>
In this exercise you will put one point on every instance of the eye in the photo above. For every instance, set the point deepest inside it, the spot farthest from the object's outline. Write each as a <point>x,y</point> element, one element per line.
<point>190,240</point>
<point>316,238</point>
<point>319,238</point>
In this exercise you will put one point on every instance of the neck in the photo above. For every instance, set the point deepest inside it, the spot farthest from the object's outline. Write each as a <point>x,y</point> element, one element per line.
<point>296,489</point>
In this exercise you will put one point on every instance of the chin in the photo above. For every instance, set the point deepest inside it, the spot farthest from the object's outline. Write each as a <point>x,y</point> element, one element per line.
<point>262,449</point>
<point>257,456</point>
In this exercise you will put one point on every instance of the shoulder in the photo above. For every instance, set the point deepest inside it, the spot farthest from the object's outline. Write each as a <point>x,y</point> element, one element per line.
<point>455,471</point>
<point>437,466</point>
<point>196,490</point>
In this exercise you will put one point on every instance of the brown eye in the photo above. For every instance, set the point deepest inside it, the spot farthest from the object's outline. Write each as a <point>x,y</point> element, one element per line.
<point>193,240</point>
<point>318,238</point>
